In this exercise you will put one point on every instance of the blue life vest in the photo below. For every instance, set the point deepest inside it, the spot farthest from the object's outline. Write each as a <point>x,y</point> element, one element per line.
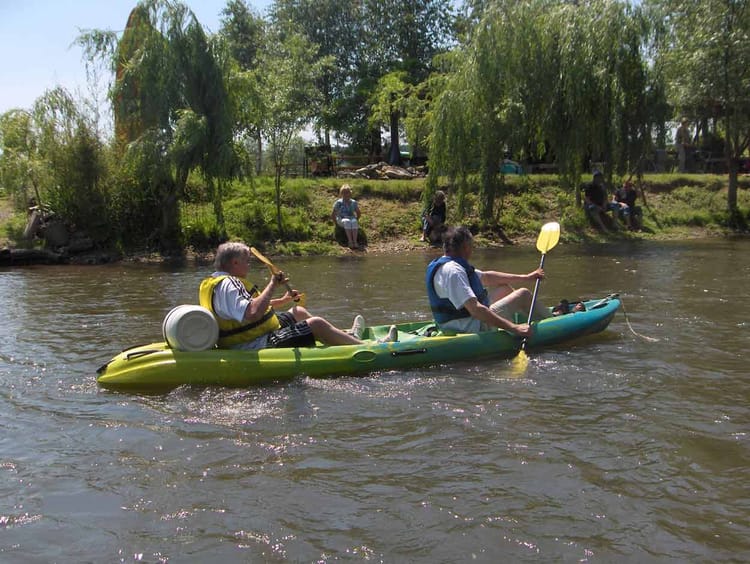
<point>442,308</point>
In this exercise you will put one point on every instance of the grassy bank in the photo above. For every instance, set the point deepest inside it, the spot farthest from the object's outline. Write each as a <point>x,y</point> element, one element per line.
<point>674,206</point>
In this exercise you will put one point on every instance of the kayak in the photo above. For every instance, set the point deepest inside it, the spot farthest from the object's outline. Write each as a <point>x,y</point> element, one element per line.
<point>157,366</point>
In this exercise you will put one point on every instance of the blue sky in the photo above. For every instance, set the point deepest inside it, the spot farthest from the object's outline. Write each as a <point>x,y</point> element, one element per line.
<point>36,38</point>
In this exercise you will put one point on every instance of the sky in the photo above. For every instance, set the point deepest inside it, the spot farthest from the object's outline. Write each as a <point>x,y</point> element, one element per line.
<point>36,38</point>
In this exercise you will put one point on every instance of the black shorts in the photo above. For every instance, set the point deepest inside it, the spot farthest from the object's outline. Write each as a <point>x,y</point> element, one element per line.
<point>291,333</point>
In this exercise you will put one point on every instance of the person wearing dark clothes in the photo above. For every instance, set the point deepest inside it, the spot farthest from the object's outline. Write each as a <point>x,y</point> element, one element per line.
<point>434,217</point>
<point>628,212</point>
<point>595,201</point>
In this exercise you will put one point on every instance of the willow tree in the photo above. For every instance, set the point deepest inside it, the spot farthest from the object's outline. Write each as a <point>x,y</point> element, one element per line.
<point>550,76</point>
<point>171,112</point>
<point>452,141</point>
<point>51,153</point>
<point>704,50</point>
<point>478,116</point>
<point>595,83</point>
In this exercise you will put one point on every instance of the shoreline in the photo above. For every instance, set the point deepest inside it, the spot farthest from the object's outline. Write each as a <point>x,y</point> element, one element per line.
<point>394,245</point>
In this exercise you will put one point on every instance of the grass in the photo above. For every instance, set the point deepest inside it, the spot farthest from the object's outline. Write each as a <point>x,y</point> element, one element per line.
<point>674,205</point>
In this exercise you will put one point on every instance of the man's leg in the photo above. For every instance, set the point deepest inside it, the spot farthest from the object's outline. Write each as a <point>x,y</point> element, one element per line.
<point>595,214</point>
<point>519,301</point>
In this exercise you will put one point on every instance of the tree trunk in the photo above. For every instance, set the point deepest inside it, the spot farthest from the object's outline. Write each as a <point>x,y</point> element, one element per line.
<point>277,184</point>
<point>376,146</point>
<point>394,155</point>
<point>259,154</point>
<point>169,237</point>
<point>217,195</point>
<point>487,189</point>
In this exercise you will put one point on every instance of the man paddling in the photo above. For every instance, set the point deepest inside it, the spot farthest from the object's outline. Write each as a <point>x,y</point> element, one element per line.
<point>246,315</point>
<point>460,301</point>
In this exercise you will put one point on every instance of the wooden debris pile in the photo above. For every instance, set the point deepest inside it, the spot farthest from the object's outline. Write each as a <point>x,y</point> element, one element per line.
<point>383,171</point>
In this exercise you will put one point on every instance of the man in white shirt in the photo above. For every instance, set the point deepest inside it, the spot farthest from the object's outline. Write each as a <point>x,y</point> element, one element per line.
<point>459,297</point>
<point>246,314</point>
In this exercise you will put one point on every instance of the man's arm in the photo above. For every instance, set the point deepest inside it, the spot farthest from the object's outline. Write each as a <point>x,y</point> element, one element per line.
<point>258,305</point>
<point>494,278</point>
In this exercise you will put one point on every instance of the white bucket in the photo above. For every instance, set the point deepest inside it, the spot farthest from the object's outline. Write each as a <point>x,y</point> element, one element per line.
<point>190,328</point>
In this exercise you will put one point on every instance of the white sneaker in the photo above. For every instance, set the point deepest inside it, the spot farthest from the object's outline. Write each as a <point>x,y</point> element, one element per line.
<point>358,327</point>
<point>391,337</point>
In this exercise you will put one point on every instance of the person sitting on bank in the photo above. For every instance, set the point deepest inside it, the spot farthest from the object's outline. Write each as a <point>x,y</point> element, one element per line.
<point>628,212</point>
<point>346,215</point>
<point>595,202</point>
<point>459,295</point>
<point>247,317</point>
<point>684,144</point>
<point>434,217</point>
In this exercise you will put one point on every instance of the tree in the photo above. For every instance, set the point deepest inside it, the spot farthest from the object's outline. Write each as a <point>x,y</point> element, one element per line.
<point>704,51</point>
<point>170,97</point>
<point>388,104</point>
<point>244,35</point>
<point>548,76</point>
<point>21,161</point>
<point>367,40</point>
<point>334,27</point>
<point>289,96</point>
<point>404,37</point>
<point>52,154</point>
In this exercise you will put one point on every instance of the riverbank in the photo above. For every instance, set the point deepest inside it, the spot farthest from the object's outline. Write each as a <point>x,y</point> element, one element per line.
<point>674,207</point>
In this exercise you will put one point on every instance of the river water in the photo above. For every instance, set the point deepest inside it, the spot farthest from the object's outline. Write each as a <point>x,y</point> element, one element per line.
<point>628,446</point>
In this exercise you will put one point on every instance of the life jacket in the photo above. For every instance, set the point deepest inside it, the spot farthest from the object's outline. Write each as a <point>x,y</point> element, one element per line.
<point>442,308</point>
<point>232,332</point>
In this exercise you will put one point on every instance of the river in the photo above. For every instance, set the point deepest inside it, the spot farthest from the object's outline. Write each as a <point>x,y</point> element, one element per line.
<point>628,446</point>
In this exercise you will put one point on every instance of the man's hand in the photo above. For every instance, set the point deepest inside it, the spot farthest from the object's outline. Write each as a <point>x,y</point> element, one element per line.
<point>279,278</point>
<point>523,330</point>
<point>538,273</point>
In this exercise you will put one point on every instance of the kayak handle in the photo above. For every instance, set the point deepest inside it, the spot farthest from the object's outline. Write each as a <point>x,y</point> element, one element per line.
<point>408,352</point>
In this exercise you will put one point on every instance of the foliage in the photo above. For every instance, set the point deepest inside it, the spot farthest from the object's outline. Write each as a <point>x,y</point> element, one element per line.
<point>170,97</point>
<point>334,27</point>
<point>703,48</point>
<point>366,41</point>
<point>21,163</point>
<point>243,36</point>
<point>541,79</point>
<point>289,97</point>
<point>52,154</point>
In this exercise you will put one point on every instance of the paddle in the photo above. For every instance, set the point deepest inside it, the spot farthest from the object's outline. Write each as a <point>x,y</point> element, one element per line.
<point>300,299</point>
<point>548,238</point>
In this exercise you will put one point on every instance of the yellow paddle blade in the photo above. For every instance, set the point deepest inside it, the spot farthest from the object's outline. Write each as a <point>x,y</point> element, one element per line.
<point>548,236</point>
<point>301,298</point>
<point>264,260</point>
<point>519,364</point>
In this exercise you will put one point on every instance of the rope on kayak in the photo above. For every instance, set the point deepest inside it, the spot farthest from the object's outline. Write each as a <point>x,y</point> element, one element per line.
<point>627,321</point>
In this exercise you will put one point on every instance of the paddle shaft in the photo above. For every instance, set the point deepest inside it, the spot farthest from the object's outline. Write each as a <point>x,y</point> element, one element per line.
<point>533,300</point>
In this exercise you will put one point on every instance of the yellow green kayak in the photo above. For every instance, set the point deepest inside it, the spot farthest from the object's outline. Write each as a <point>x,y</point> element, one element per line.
<point>156,366</point>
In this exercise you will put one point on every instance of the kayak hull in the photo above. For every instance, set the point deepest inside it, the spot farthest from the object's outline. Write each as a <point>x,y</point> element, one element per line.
<point>156,366</point>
